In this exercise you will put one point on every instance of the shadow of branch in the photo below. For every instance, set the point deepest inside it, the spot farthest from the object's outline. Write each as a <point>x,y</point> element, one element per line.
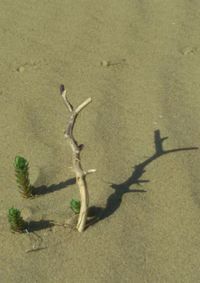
<point>96,214</point>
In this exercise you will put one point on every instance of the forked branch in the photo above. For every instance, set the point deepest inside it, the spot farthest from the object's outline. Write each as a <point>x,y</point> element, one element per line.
<point>77,167</point>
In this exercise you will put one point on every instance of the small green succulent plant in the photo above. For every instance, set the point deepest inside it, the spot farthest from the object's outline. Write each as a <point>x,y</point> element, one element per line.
<point>75,206</point>
<point>17,224</point>
<point>22,174</point>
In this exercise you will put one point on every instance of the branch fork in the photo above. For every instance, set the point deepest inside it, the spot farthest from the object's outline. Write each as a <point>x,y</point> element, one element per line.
<point>76,149</point>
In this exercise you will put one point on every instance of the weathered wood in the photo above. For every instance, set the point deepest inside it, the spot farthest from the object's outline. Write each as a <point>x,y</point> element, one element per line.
<point>77,167</point>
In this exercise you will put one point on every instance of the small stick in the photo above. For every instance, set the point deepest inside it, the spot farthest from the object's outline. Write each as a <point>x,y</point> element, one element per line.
<point>35,249</point>
<point>77,167</point>
<point>37,243</point>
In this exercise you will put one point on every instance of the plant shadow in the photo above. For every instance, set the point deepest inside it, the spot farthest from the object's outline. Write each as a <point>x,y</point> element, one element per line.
<point>96,214</point>
<point>33,226</point>
<point>42,190</point>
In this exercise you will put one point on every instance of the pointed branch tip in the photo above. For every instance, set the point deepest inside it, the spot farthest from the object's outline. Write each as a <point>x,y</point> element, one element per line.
<point>62,88</point>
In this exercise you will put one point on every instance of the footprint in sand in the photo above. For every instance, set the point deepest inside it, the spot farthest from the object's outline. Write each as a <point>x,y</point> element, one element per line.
<point>27,65</point>
<point>105,63</point>
<point>189,50</point>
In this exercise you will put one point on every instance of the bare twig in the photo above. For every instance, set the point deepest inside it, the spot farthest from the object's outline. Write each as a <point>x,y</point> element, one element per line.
<point>37,241</point>
<point>34,249</point>
<point>77,167</point>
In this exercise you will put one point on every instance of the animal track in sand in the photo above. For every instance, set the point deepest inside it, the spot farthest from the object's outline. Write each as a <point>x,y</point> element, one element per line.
<point>105,63</point>
<point>28,65</point>
<point>189,50</point>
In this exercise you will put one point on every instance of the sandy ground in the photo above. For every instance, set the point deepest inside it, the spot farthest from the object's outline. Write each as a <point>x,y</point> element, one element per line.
<point>146,187</point>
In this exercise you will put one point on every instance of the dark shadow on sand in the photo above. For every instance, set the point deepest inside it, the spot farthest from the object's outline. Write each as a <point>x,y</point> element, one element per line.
<point>39,225</point>
<point>42,190</point>
<point>115,199</point>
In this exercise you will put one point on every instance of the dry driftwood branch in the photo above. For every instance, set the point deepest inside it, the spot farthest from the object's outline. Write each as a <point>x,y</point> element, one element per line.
<point>76,149</point>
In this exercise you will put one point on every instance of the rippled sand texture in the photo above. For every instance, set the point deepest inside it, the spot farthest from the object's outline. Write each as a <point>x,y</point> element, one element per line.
<point>139,61</point>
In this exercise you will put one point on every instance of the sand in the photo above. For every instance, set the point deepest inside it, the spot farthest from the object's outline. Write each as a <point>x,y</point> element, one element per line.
<point>139,62</point>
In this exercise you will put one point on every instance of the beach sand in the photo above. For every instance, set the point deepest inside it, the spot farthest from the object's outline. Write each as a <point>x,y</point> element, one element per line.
<point>139,61</point>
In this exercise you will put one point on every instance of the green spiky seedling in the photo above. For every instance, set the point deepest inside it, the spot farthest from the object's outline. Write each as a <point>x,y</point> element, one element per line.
<point>17,224</point>
<point>75,206</point>
<point>22,174</point>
